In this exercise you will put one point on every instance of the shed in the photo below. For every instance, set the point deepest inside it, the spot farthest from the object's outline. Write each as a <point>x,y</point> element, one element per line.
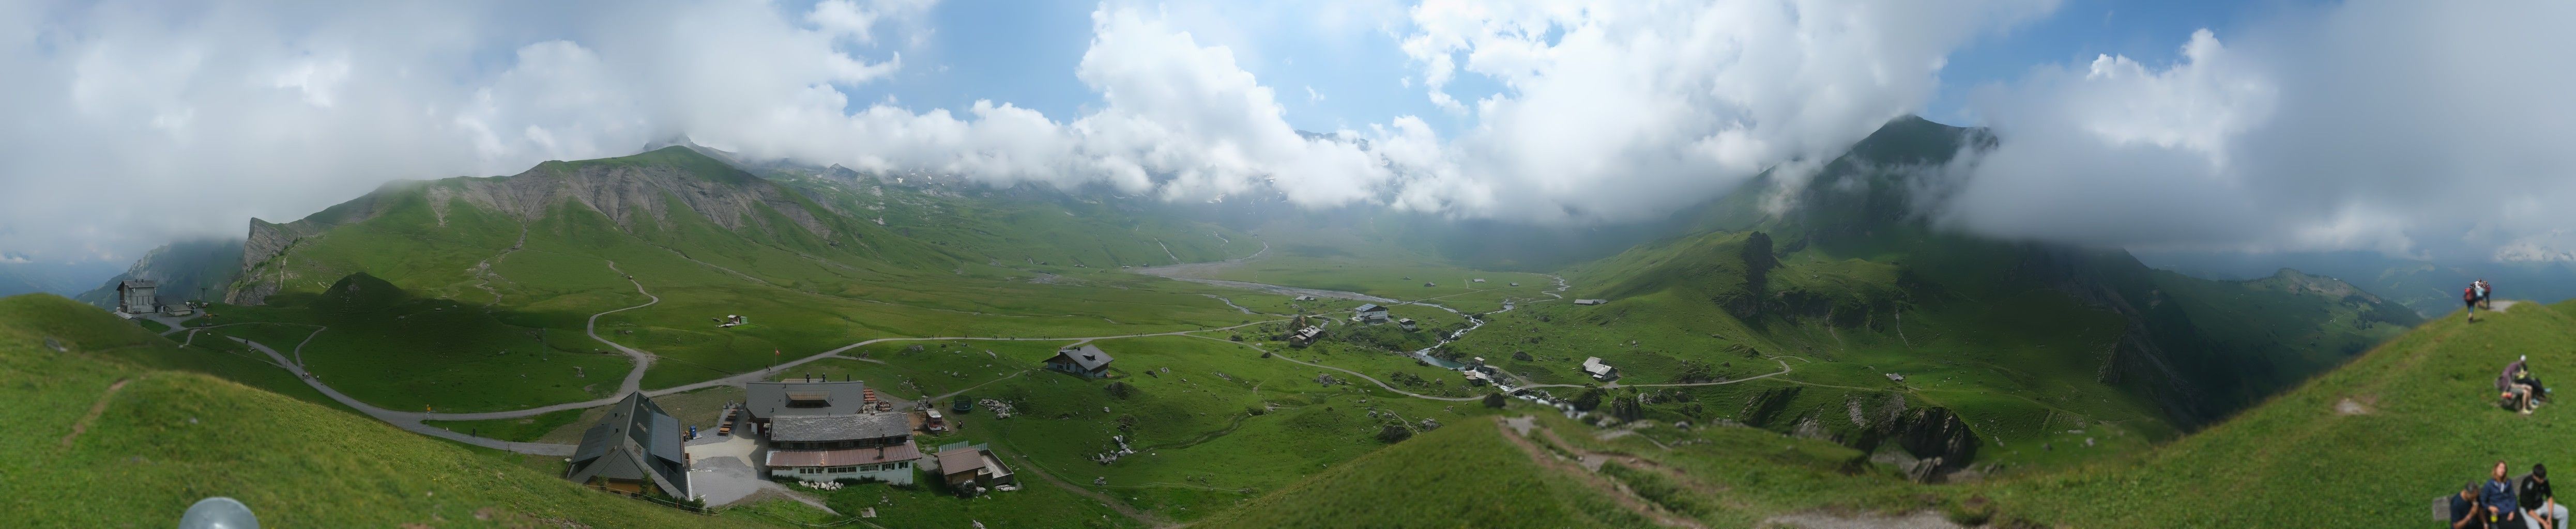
<point>961,463</point>
<point>1599,371</point>
<point>1369,313</point>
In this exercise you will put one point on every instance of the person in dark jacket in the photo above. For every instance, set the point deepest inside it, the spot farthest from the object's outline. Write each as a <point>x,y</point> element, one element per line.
<point>2540,509</point>
<point>2496,498</point>
<point>2465,511</point>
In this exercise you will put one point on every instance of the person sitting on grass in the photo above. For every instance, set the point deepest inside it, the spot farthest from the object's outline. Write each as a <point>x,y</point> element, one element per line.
<point>2502,509</point>
<point>2540,509</point>
<point>2539,393</point>
<point>2511,389</point>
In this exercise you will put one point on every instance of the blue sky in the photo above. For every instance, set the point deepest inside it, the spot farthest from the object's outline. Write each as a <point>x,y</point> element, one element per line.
<point>1024,53</point>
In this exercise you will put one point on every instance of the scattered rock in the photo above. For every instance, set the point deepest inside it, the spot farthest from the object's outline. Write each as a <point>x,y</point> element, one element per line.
<point>2347,406</point>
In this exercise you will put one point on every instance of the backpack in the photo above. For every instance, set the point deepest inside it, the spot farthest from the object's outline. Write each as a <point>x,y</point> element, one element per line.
<point>2469,294</point>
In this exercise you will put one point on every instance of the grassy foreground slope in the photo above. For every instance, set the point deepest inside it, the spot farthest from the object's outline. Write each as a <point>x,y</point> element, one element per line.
<point>1465,475</point>
<point>109,442</point>
<point>2421,421</point>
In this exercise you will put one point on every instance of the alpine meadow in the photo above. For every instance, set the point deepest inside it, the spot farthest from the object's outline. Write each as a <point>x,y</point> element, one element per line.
<point>883,263</point>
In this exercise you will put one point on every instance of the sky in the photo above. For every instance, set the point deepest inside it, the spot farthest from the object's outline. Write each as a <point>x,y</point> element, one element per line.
<point>2419,129</point>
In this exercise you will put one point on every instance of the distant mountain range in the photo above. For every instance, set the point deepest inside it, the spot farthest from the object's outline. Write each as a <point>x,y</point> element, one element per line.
<point>2429,288</point>
<point>187,270</point>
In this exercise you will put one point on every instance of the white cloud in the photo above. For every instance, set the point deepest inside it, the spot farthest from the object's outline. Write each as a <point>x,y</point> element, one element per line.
<point>2412,128</point>
<point>1614,111</point>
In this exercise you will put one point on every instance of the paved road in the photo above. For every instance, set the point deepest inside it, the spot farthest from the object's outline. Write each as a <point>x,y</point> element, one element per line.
<point>634,377</point>
<point>404,420</point>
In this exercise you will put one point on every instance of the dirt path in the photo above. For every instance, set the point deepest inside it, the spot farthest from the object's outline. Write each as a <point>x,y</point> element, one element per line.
<point>483,269</point>
<point>1814,520</point>
<point>1371,379</point>
<point>1149,519</point>
<point>643,360</point>
<point>1512,431</point>
<point>95,410</point>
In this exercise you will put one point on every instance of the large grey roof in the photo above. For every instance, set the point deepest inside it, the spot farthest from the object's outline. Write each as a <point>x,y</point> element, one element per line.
<point>636,440</point>
<point>838,427</point>
<point>766,400</point>
<point>1088,356</point>
<point>138,283</point>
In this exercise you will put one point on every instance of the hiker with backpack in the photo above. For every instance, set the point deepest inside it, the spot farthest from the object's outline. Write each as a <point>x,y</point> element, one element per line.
<point>2486,295</point>
<point>2540,509</point>
<point>2469,297</point>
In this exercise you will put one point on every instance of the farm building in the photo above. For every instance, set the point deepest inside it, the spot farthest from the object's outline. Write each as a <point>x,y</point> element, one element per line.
<point>1088,361</point>
<point>961,464</point>
<point>1408,324</point>
<point>635,450</point>
<point>1369,313</point>
<point>1599,371</point>
<point>865,446</point>
<point>134,296</point>
<point>764,402</point>
<point>1590,301</point>
<point>178,309</point>
<point>1305,337</point>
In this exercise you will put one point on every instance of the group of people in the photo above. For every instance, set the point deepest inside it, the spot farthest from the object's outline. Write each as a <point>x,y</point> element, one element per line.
<point>2508,503</point>
<point>2476,297</point>
<point>2519,390</point>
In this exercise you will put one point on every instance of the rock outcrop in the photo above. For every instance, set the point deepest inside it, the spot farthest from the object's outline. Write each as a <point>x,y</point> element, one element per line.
<point>1938,438</point>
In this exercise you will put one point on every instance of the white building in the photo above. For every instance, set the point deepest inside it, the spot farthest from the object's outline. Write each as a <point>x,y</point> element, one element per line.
<point>862,446</point>
<point>1599,371</point>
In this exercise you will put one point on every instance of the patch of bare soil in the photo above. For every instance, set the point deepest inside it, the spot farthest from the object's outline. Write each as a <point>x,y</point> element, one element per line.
<point>95,410</point>
<point>1617,492</point>
<point>1818,520</point>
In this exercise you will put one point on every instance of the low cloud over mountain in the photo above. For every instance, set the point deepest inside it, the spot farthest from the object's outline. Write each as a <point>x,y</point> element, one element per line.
<point>2382,125</point>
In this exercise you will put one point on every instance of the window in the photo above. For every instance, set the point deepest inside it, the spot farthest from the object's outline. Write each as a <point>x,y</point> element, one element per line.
<point>837,470</point>
<point>808,470</point>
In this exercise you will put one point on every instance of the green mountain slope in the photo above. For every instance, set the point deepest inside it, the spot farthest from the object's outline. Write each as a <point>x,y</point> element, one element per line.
<point>2033,346</point>
<point>2374,441</point>
<point>115,441</point>
<point>538,253</point>
<point>1466,475</point>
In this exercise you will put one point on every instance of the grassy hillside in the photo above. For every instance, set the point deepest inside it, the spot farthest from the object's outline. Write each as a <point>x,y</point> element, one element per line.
<point>1465,475</point>
<point>115,440</point>
<point>504,284</point>
<point>2419,422</point>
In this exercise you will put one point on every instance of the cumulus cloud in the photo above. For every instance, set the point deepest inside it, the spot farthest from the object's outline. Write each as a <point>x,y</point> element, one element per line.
<point>2425,129</point>
<point>1612,111</point>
